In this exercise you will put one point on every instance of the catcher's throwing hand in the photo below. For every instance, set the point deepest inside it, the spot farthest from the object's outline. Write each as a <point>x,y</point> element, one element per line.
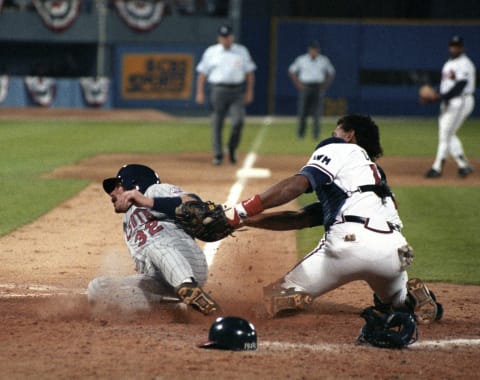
<point>427,94</point>
<point>205,221</point>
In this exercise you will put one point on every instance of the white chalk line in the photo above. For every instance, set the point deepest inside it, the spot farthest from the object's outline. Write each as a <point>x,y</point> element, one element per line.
<point>334,347</point>
<point>10,290</point>
<point>211,249</point>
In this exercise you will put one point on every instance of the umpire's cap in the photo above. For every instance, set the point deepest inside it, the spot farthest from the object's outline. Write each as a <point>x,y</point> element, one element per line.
<point>224,30</point>
<point>456,40</point>
<point>231,333</point>
<point>314,44</point>
<point>132,176</point>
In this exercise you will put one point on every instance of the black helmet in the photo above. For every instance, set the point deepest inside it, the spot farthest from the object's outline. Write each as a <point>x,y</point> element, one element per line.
<point>132,176</point>
<point>388,330</point>
<point>231,333</point>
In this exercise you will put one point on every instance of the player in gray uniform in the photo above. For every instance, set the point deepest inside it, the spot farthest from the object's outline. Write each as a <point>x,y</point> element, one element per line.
<point>229,70</point>
<point>311,73</point>
<point>170,265</point>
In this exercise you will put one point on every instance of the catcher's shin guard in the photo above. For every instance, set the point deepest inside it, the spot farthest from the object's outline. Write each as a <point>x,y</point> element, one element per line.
<point>421,301</point>
<point>277,299</point>
<point>191,294</point>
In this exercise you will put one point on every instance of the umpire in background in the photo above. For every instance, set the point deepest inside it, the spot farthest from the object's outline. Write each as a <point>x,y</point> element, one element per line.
<point>311,74</point>
<point>229,70</point>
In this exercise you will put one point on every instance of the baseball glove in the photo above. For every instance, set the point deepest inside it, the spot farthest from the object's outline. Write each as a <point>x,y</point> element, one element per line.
<point>427,94</point>
<point>205,221</point>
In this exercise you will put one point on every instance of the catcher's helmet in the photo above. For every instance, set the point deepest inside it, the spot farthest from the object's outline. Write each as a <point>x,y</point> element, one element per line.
<point>388,330</point>
<point>132,176</point>
<point>231,333</point>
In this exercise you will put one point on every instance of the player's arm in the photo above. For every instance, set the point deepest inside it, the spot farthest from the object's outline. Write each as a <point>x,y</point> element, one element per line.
<point>200,94</point>
<point>456,90</point>
<point>309,216</point>
<point>164,205</point>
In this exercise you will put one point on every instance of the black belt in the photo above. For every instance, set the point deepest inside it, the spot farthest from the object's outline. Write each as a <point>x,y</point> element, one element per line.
<point>313,84</point>
<point>228,85</point>
<point>364,221</point>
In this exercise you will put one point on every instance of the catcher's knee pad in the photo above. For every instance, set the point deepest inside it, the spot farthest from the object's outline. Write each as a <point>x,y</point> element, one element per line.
<point>192,294</point>
<point>423,302</point>
<point>277,299</point>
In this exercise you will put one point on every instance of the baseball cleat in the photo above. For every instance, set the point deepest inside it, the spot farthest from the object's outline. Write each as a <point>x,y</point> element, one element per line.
<point>277,300</point>
<point>424,306</point>
<point>432,173</point>
<point>194,296</point>
<point>464,172</point>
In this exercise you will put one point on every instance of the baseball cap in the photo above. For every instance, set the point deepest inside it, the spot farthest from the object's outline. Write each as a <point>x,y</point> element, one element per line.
<point>456,40</point>
<point>224,30</point>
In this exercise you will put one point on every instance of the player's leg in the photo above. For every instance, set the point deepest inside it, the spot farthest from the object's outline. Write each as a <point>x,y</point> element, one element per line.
<point>302,112</point>
<point>237,113</point>
<point>318,273</point>
<point>183,266</point>
<point>317,112</point>
<point>219,104</point>
<point>128,294</point>
<point>456,148</point>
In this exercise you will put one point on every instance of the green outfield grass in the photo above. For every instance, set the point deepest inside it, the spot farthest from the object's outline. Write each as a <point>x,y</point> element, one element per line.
<point>441,223</point>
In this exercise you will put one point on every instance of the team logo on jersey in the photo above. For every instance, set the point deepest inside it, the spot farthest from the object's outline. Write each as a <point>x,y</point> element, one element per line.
<point>58,15</point>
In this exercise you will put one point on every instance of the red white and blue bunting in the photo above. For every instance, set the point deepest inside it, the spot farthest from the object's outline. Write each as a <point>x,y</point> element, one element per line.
<point>3,87</point>
<point>58,15</point>
<point>141,15</point>
<point>95,90</point>
<point>42,90</point>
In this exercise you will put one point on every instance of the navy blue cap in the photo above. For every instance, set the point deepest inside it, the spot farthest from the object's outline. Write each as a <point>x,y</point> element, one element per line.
<point>224,30</point>
<point>456,40</point>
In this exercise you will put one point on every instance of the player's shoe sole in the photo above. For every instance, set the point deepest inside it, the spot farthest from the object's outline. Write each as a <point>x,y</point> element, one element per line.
<point>286,300</point>
<point>426,308</point>
<point>194,296</point>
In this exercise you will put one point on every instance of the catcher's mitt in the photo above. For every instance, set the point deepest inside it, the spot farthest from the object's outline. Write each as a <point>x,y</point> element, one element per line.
<point>427,94</point>
<point>203,220</point>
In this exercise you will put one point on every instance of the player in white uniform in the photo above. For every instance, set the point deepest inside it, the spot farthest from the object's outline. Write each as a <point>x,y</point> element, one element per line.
<point>363,238</point>
<point>457,102</point>
<point>311,73</point>
<point>171,266</point>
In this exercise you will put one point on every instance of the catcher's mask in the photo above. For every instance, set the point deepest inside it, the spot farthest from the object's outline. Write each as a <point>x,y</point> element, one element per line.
<point>231,333</point>
<point>390,330</point>
<point>132,176</point>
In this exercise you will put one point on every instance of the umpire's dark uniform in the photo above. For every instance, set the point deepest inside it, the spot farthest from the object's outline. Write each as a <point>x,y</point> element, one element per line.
<point>229,70</point>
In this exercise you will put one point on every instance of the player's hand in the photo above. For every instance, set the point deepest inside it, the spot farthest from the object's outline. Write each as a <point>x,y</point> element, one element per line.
<point>132,197</point>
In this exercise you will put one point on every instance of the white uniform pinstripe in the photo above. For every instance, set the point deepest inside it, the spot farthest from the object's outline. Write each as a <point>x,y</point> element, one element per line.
<point>165,256</point>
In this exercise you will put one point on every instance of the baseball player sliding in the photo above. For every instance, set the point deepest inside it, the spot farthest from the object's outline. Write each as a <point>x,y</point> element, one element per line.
<point>363,238</point>
<point>457,102</point>
<point>170,265</point>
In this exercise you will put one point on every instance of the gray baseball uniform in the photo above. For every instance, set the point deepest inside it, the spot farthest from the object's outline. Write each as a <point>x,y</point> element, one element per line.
<point>165,256</point>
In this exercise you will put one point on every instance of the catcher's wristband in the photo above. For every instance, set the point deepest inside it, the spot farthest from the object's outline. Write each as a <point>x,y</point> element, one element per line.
<point>249,207</point>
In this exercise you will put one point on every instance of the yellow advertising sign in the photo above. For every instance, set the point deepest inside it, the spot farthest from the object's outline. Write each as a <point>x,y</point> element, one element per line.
<point>157,76</point>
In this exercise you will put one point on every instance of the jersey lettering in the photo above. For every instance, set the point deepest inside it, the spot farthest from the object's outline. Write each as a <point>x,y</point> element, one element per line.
<point>151,226</point>
<point>323,159</point>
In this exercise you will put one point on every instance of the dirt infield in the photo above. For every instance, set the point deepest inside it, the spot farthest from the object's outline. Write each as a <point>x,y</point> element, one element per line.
<point>50,332</point>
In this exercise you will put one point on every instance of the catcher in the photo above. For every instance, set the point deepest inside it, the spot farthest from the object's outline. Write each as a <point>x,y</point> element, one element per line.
<point>170,265</point>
